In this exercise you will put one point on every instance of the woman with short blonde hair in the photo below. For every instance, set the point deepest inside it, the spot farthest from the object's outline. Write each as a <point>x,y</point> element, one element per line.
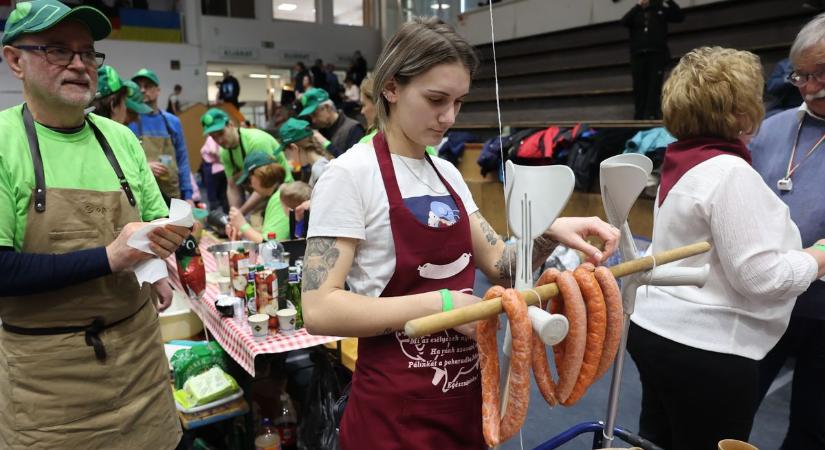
<point>697,349</point>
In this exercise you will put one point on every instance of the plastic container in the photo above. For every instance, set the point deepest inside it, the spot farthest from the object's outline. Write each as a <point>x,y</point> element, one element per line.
<point>271,252</point>
<point>268,438</point>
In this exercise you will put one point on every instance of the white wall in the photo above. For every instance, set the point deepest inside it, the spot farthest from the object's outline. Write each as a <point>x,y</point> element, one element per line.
<point>129,56</point>
<point>521,18</point>
<point>240,40</point>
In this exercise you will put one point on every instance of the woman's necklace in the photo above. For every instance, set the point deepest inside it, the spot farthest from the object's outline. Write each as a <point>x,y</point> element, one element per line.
<point>421,180</point>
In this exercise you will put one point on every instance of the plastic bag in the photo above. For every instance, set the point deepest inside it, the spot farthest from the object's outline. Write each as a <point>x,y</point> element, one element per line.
<point>214,384</point>
<point>319,428</point>
<point>196,360</point>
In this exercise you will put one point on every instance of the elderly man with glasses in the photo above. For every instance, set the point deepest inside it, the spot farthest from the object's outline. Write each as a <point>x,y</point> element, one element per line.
<point>788,152</point>
<point>80,353</point>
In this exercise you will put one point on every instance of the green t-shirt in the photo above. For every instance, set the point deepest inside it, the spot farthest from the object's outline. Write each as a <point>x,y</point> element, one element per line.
<point>70,161</point>
<point>275,219</point>
<point>253,139</point>
<point>367,139</point>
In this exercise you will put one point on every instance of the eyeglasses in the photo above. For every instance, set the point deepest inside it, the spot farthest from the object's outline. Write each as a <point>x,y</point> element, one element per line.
<point>61,56</point>
<point>800,79</point>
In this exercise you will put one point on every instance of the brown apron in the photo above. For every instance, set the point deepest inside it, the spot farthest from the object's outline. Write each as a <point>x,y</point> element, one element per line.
<point>162,149</point>
<point>83,366</point>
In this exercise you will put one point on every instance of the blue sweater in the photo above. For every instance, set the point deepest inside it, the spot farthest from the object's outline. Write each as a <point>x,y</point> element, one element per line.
<point>771,150</point>
<point>153,125</point>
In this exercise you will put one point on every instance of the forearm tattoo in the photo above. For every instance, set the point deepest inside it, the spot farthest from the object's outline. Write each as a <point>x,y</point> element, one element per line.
<point>506,265</point>
<point>321,256</point>
<point>543,246</point>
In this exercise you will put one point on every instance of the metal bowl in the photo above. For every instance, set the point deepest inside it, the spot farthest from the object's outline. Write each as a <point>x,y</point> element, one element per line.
<point>222,251</point>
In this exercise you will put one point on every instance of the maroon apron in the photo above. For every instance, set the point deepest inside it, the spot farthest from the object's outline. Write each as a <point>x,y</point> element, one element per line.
<point>426,392</point>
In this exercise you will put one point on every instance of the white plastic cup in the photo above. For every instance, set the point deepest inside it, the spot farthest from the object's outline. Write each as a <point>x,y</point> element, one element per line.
<point>260,325</point>
<point>225,285</point>
<point>286,320</point>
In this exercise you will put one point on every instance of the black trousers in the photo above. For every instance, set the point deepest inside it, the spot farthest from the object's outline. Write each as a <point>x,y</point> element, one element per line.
<point>692,398</point>
<point>805,341</point>
<point>648,70</point>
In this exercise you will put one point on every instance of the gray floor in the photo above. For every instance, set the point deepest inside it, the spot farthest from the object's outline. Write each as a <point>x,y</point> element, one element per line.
<point>543,422</point>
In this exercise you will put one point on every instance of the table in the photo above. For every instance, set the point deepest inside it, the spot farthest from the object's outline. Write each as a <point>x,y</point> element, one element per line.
<point>237,340</point>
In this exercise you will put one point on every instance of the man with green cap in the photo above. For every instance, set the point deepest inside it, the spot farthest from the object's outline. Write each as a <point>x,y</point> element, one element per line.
<point>115,97</point>
<point>161,136</point>
<point>236,144</point>
<point>337,132</point>
<point>80,353</point>
<point>266,176</point>
<point>300,146</point>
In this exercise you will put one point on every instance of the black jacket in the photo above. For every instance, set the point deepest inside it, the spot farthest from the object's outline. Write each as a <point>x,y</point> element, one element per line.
<point>648,26</point>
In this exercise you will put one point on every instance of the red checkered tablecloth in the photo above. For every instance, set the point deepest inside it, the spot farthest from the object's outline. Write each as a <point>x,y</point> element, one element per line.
<point>237,339</point>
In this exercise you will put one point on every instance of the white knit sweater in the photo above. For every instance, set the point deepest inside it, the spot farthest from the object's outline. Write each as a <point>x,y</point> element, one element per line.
<point>757,268</point>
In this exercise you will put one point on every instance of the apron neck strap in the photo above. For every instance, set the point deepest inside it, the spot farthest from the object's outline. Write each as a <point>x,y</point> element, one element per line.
<point>37,161</point>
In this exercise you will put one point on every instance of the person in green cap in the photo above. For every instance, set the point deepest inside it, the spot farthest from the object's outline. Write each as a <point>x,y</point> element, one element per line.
<point>301,146</point>
<point>110,101</point>
<point>336,132</point>
<point>161,136</point>
<point>80,353</point>
<point>265,176</point>
<point>134,102</point>
<point>235,145</point>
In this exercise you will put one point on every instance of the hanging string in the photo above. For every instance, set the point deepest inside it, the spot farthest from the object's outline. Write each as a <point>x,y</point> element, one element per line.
<point>500,130</point>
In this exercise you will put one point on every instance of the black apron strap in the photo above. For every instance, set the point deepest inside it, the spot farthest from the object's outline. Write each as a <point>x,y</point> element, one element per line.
<point>91,332</point>
<point>37,161</point>
<point>110,155</point>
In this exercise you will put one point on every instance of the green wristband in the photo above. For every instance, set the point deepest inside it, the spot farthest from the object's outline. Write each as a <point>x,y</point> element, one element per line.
<point>245,227</point>
<point>446,300</point>
<point>820,247</point>
<point>326,144</point>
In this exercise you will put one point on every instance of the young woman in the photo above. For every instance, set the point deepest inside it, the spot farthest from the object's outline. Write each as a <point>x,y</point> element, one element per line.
<point>301,147</point>
<point>370,229</point>
<point>265,175</point>
<point>698,349</point>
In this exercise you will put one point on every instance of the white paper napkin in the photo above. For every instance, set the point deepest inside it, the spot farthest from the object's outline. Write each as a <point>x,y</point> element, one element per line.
<point>180,214</point>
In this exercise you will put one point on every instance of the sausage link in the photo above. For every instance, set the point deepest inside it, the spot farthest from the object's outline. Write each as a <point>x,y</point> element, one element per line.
<point>596,326</point>
<point>569,353</point>
<point>615,318</point>
<point>518,397</point>
<point>490,378</point>
<point>541,367</point>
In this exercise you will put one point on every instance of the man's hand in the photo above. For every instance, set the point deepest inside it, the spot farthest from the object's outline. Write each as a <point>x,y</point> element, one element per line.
<point>236,218</point>
<point>163,241</point>
<point>301,209</point>
<point>572,232</point>
<point>158,169</point>
<point>164,291</point>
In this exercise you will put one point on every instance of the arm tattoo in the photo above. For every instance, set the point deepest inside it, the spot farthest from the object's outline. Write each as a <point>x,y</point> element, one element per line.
<point>506,265</point>
<point>543,246</point>
<point>321,256</point>
<point>489,232</point>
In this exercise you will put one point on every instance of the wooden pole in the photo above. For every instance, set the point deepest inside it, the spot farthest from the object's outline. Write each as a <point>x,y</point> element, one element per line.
<point>446,320</point>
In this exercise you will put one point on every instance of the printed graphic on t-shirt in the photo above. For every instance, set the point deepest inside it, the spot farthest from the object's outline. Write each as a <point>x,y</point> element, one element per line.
<point>437,212</point>
<point>451,356</point>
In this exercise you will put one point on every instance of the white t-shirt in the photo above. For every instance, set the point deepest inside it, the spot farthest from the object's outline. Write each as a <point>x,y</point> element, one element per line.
<point>352,93</point>
<point>318,169</point>
<point>350,201</point>
<point>756,264</point>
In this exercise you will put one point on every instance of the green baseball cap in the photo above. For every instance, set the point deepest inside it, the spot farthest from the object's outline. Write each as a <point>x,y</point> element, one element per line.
<point>214,120</point>
<point>293,130</point>
<point>134,98</point>
<point>255,159</point>
<point>108,81</point>
<point>40,15</point>
<point>148,74</point>
<point>311,99</point>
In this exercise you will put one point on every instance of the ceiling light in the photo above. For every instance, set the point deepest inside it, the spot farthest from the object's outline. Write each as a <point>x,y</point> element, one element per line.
<point>257,75</point>
<point>287,7</point>
<point>440,6</point>
<point>434,6</point>
<point>214,74</point>
<point>445,6</point>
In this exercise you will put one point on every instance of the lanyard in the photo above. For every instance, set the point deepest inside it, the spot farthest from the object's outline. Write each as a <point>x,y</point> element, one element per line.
<point>791,166</point>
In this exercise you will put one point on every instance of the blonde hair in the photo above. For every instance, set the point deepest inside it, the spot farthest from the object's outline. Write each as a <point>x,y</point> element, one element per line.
<point>418,46</point>
<point>310,144</point>
<point>366,88</point>
<point>295,193</point>
<point>709,90</point>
